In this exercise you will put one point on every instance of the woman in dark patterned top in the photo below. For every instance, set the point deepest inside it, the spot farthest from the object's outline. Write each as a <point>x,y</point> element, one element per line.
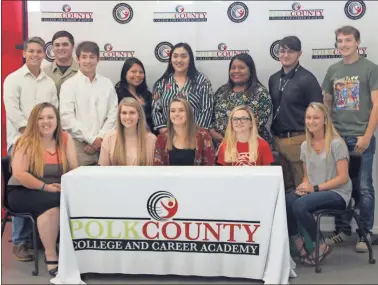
<point>184,143</point>
<point>181,79</point>
<point>243,88</point>
<point>133,84</point>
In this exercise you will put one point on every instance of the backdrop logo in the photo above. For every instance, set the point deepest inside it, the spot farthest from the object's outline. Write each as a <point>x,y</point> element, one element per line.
<point>163,51</point>
<point>66,15</point>
<point>274,50</point>
<point>50,56</point>
<point>296,13</point>
<point>180,15</point>
<point>109,54</point>
<point>222,53</point>
<point>326,53</point>
<point>355,9</point>
<point>162,205</point>
<point>237,12</point>
<point>123,13</point>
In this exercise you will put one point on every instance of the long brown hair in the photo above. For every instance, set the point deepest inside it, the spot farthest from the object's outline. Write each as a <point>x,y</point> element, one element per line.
<point>329,130</point>
<point>31,141</point>
<point>191,127</point>
<point>120,148</point>
<point>231,151</point>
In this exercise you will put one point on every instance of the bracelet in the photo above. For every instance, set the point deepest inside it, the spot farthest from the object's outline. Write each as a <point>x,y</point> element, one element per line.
<point>43,187</point>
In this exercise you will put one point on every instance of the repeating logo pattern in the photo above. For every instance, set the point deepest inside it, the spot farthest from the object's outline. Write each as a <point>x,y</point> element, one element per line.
<point>163,51</point>
<point>123,13</point>
<point>162,205</point>
<point>237,12</point>
<point>297,13</point>
<point>274,50</point>
<point>222,53</point>
<point>66,15</point>
<point>50,56</point>
<point>355,9</point>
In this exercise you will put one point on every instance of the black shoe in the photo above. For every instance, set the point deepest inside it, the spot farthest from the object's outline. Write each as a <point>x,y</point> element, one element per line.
<point>53,272</point>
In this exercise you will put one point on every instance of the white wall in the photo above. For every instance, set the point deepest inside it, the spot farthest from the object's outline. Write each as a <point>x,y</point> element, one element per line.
<point>255,34</point>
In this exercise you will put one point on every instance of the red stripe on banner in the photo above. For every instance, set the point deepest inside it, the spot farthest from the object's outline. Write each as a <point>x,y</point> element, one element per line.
<point>12,22</point>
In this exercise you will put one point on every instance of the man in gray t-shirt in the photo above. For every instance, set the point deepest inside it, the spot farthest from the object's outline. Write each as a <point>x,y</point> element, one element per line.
<point>350,90</point>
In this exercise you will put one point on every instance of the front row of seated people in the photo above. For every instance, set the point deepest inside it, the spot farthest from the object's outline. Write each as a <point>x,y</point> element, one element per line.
<point>44,153</point>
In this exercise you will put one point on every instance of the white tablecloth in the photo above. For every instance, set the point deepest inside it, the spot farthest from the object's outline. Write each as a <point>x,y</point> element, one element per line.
<point>203,221</point>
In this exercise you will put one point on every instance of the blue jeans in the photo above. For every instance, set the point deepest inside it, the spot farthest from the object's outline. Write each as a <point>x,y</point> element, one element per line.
<point>299,209</point>
<point>21,231</point>
<point>367,201</point>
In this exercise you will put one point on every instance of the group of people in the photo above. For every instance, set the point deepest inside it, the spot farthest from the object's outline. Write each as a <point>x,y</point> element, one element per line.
<point>68,115</point>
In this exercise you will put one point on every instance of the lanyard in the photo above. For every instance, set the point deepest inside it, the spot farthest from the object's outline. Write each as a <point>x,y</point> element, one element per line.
<point>282,88</point>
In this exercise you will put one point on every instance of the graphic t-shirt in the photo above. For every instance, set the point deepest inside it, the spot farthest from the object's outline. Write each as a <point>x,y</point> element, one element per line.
<point>350,86</point>
<point>265,156</point>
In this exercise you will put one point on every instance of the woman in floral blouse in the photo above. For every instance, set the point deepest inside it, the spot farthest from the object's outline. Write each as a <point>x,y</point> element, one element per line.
<point>183,143</point>
<point>243,88</point>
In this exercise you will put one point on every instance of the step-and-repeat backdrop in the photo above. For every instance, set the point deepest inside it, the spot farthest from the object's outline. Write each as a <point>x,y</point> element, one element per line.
<point>216,31</point>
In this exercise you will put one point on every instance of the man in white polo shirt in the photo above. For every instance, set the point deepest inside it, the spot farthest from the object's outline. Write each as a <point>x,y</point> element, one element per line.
<point>23,89</point>
<point>88,105</point>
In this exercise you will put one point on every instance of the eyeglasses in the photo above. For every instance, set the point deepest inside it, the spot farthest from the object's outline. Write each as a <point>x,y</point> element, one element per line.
<point>241,119</point>
<point>287,51</point>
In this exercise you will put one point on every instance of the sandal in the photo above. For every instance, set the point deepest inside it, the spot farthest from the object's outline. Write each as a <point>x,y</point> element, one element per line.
<point>53,272</point>
<point>309,260</point>
<point>302,251</point>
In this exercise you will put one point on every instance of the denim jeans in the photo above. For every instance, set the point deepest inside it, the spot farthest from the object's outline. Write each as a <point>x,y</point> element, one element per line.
<point>299,209</point>
<point>367,201</point>
<point>21,231</point>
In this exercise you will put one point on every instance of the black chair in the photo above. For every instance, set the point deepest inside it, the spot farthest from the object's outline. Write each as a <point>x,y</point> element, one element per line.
<point>354,174</point>
<point>7,173</point>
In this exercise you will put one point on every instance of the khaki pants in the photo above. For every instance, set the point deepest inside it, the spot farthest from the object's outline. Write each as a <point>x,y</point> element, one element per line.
<point>83,158</point>
<point>292,166</point>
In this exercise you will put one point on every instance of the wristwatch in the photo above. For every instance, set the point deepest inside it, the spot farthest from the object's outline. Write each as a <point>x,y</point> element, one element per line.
<point>316,188</point>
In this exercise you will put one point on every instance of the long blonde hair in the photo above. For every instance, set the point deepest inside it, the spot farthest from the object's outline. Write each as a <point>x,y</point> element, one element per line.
<point>31,141</point>
<point>120,148</point>
<point>191,127</point>
<point>231,151</point>
<point>329,130</point>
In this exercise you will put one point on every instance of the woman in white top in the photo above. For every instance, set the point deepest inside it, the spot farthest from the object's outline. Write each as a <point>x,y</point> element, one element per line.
<point>131,143</point>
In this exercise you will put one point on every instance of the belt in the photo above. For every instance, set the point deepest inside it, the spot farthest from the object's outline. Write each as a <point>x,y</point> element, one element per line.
<point>289,134</point>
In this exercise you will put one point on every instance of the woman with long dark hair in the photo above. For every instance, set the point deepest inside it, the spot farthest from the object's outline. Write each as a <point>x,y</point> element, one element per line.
<point>133,84</point>
<point>182,80</point>
<point>243,88</point>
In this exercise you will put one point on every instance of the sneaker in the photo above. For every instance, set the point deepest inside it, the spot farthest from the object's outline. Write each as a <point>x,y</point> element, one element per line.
<point>361,243</point>
<point>336,238</point>
<point>21,253</point>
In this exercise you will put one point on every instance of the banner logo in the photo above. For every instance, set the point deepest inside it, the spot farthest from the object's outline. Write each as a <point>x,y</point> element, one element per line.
<point>355,9</point>
<point>237,12</point>
<point>296,13</point>
<point>123,13</point>
<point>180,15</point>
<point>108,54</point>
<point>66,15</point>
<point>50,56</point>
<point>163,233</point>
<point>326,53</point>
<point>222,53</point>
<point>163,51</point>
<point>274,50</point>
<point>162,205</point>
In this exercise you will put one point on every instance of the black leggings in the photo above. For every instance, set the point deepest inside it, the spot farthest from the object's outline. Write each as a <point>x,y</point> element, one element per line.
<point>35,202</point>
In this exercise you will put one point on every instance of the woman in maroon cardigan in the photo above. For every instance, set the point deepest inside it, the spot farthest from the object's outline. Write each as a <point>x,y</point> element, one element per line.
<point>183,143</point>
